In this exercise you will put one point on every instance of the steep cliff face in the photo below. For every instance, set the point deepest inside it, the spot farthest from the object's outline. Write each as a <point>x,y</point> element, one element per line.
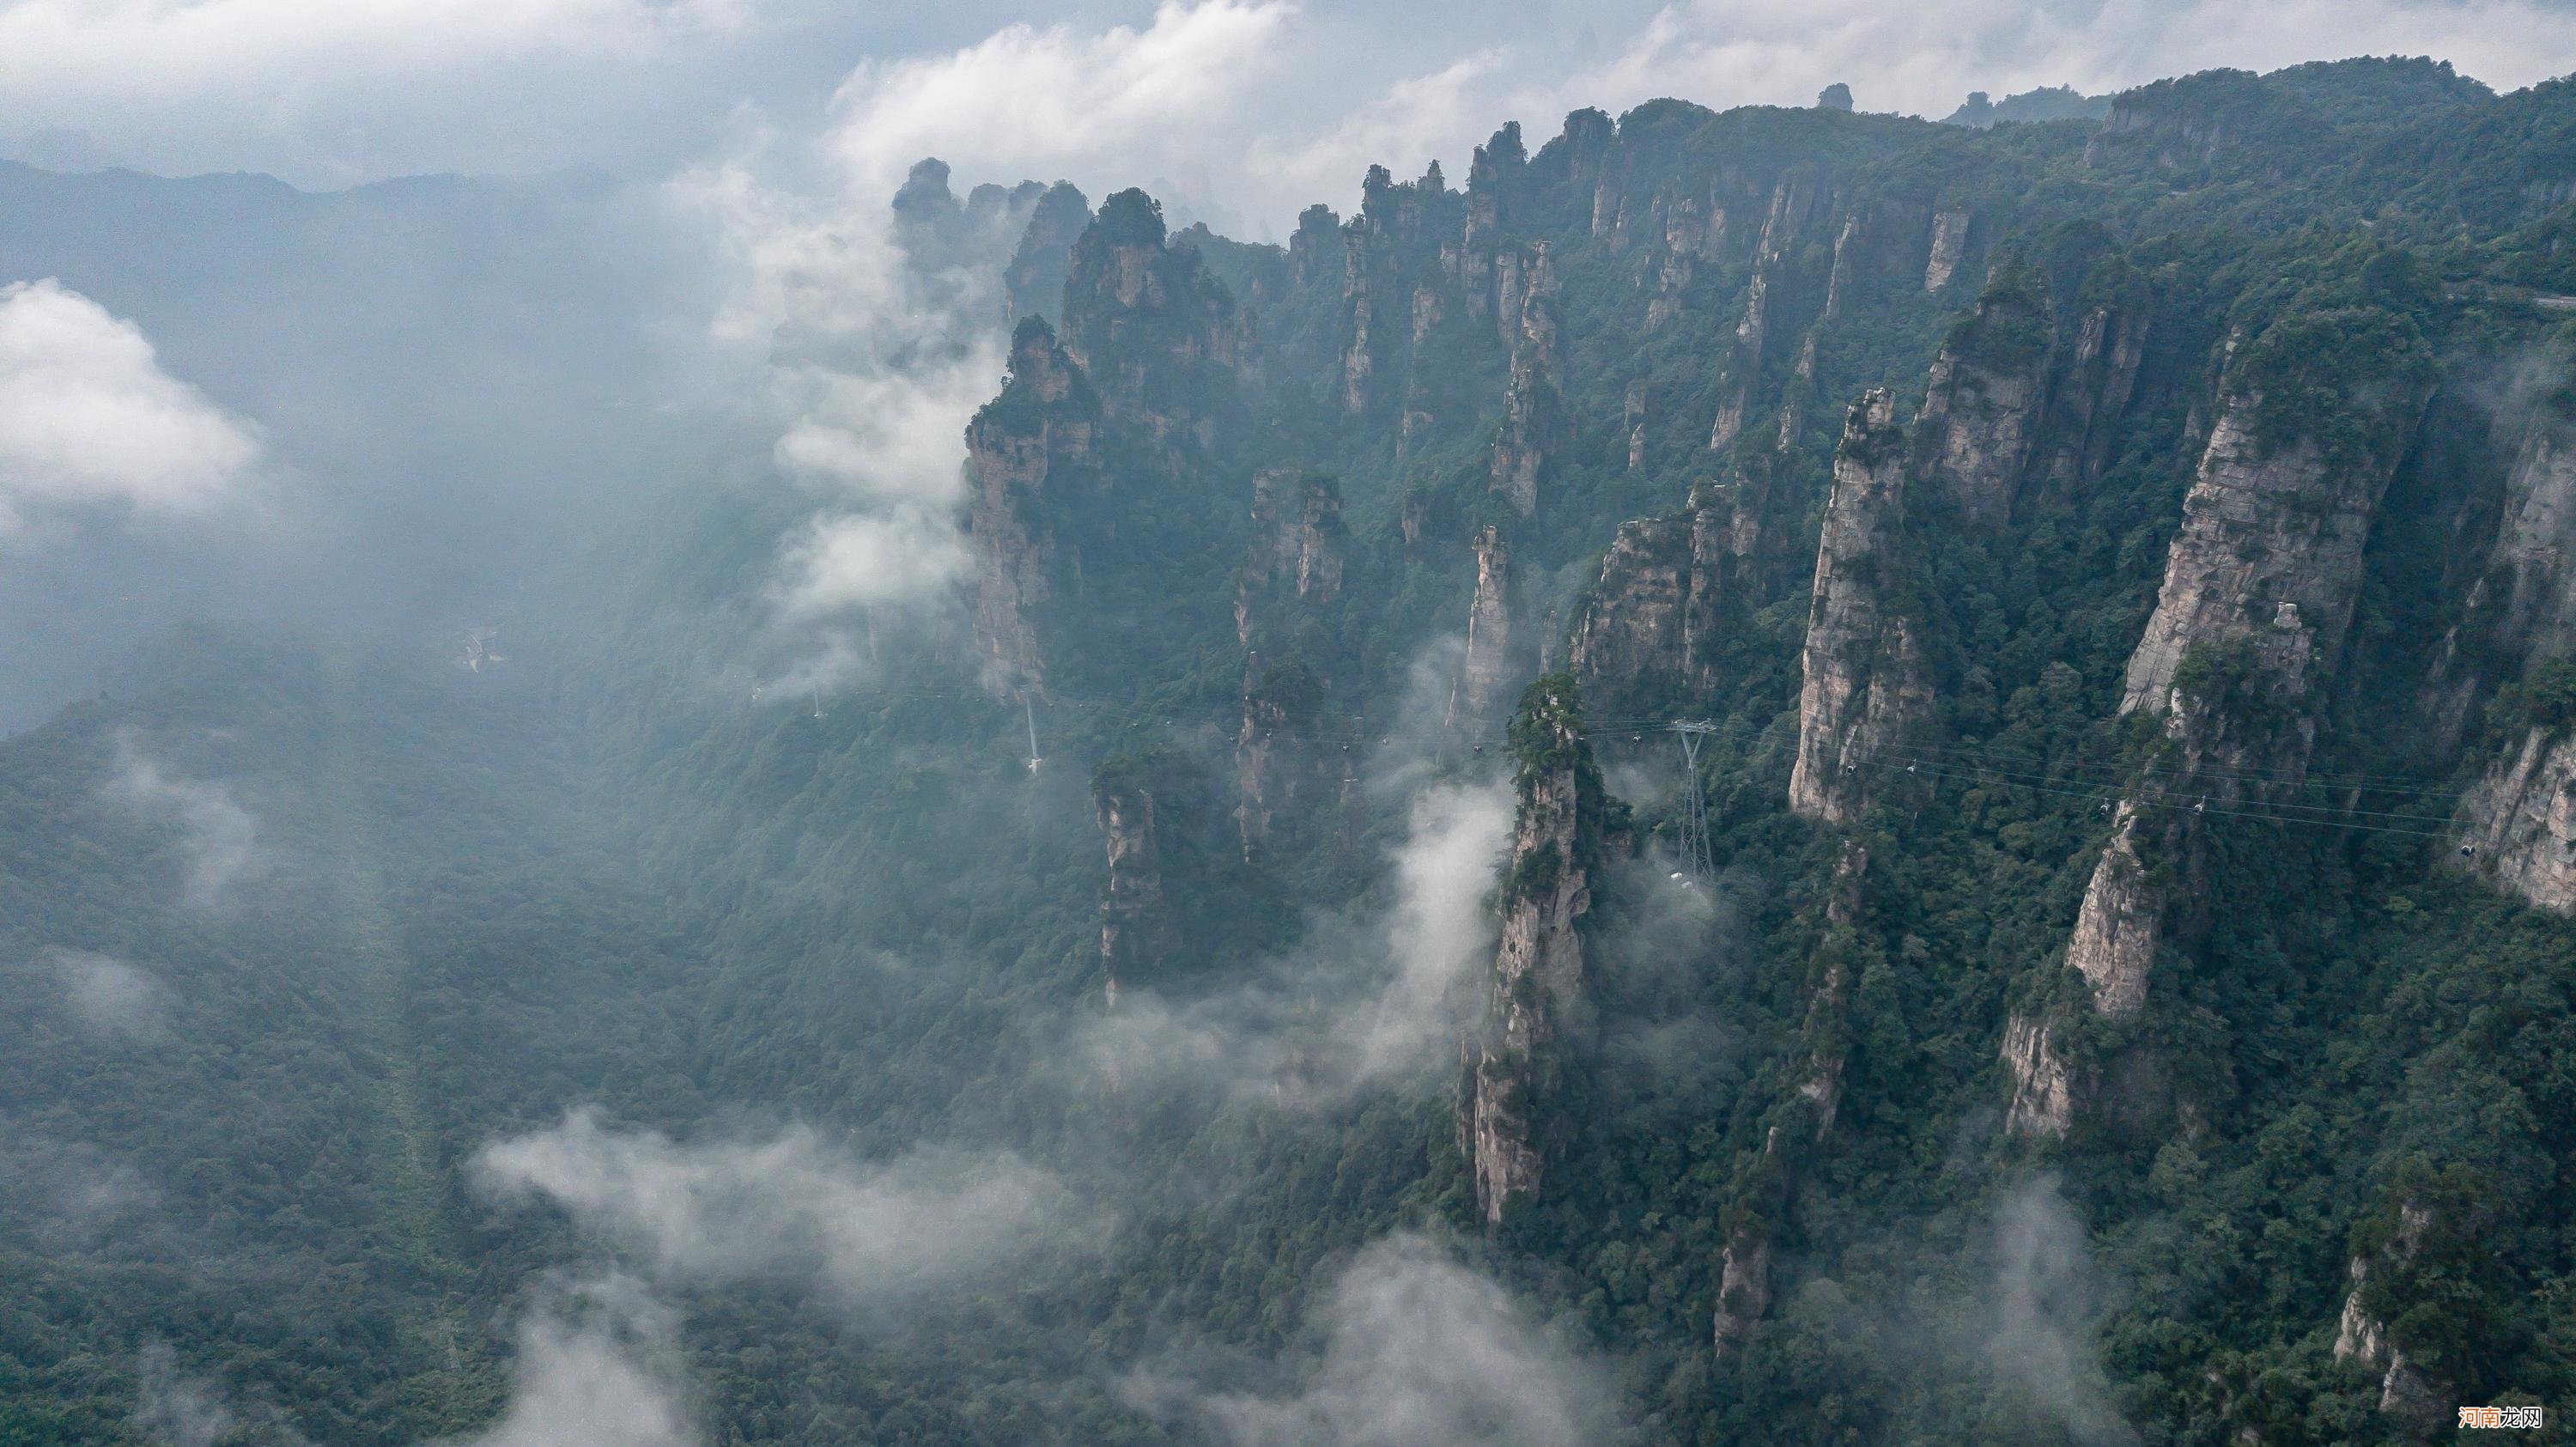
<point>2259,588</point>
<point>1496,179</point>
<point>1135,928</point>
<point>1034,284</point>
<point>1630,636</point>
<point>1865,687</point>
<point>1823,1035</point>
<point>1496,654</point>
<point>1030,453</point>
<point>1294,569</point>
<point>2532,577</point>
<point>2406,1393</point>
<point>1536,993</point>
<point>1533,425</point>
<point>1389,250</point>
<point>1667,587</point>
<point>2091,388</point>
<point>2270,543</point>
<point>1278,751</point>
<point>1160,339</point>
<point>2519,821</point>
<point>2026,391</point>
<point>1982,407</point>
<point>1949,247</point>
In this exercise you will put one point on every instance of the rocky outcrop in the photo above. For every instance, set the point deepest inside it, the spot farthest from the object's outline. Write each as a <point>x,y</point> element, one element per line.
<point>2090,387</point>
<point>2518,822</point>
<point>1532,423</point>
<point>1823,1035</point>
<point>1630,636</point>
<point>1744,1263</point>
<point>2521,603</point>
<point>1880,244</point>
<point>2260,585</point>
<point>1496,653</point>
<point>1277,754</point>
<point>1743,1289</point>
<point>1865,687</point>
<point>1294,569</point>
<point>1496,179</point>
<point>2406,1393</point>
<point>1030,453</point>
<point>1982,407</point>
<point>2532,574</point>
<point>1034,284</point>
<point>1535,997</point>
<point>1135,929</point>
<point>2270,542</point>
<point>1949,247</point>
<point>1159,338</point>
<point>2043,1087</point>
<point>1667,587</point>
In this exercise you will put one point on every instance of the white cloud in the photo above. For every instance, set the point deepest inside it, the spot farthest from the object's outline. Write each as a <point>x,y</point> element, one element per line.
<point>1397,986</point>
<point>218,838</point>
<point>873,361</point>
<point>87,416</point>
<point>1049,102</point>
<point>598,1366</point>
<point>270,50</point>
<point>175,1408</point>
<point>1922,58</point>
<point>109,996</point>
<point>788,1208</point>
<point>2042,1319</point>
<point>1419,1351</point>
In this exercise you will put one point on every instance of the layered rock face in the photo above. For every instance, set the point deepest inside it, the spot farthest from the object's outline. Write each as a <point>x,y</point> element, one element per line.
<point>2260,585</point>
<point>2519,820</point>
<point>1496,654</point>
<point>1278,764</point>
<point>1388,249</point>
<point>1667,586</point>
<point>1159,338</point>
<point>1949,248</point>
<point>1981,410</point>
<point>1532,423</point>
<point>2405,1392</point>
<point>1865,687</point>
<point>2262,528</point>
<point>1632,634</point>
<point>1536,993</point>
<point>1298,542</point>
<point>1135,929</point>
<point>2019,395</point>
<point>1030,452</point>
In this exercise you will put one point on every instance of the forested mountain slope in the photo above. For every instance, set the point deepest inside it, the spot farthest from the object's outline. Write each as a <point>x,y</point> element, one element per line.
<point>2094,968</point>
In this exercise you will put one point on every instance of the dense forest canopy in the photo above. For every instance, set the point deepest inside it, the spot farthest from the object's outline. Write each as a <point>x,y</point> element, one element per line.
<point>1767,775</point>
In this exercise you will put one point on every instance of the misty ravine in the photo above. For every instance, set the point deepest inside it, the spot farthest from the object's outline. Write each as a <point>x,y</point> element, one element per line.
<point>1711,775</point>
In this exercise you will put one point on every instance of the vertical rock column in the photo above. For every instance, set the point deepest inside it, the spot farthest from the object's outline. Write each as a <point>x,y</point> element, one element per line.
<point>1535,995</point>
<point>1865,686</point>
<point>1494,649</point>
<point>1135,930</point>
<point>1532,421</point>
<point>2259,588</point>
